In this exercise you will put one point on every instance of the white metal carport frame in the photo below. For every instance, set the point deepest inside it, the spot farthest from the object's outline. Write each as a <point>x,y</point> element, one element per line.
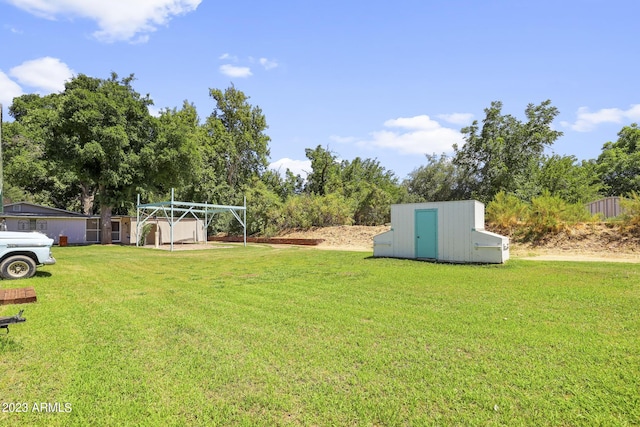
<point>169,210</point>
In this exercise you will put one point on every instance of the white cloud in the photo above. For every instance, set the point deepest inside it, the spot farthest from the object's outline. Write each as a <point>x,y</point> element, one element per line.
<point>233,71</point>
<point>229,57</point>
<point>422,122</point>
<point>154,111</point>
<point>417,135</point>
<point>298,167</point>
<point>117,20</point>
<point>8,90</point>
<point>587,121</point>
<point>12,29</point>
<point>462,119</point>
<point>47,73</point>
<point>342,139</point>
<point>268,64</point>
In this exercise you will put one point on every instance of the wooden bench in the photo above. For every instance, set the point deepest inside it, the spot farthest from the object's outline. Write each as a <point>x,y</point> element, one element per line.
<point>17,296</point>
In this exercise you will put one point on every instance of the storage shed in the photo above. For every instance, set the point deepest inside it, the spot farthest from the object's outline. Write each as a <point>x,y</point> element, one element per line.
<point>441,231</point>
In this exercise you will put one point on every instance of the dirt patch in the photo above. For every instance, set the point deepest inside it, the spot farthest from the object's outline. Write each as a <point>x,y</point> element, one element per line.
<point>342,237</point>
<point>585,242</point>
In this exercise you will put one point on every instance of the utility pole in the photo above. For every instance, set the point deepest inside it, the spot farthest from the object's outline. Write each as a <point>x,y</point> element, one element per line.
<point>1,171</point>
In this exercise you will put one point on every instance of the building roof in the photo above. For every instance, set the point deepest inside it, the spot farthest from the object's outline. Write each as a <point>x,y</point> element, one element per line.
<point>23,209</point>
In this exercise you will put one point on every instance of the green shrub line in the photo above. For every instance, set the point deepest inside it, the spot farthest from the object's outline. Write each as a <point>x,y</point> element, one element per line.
<point>547,215</point>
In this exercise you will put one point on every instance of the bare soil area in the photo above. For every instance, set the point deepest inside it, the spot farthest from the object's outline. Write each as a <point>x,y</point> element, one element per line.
<point>584,242</point>
<point>342,237</point>
<point>587,242</point>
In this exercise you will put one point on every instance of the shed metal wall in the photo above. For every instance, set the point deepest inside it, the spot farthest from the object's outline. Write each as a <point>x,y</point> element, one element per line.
<point>461,235</point>
<point>455,222</point>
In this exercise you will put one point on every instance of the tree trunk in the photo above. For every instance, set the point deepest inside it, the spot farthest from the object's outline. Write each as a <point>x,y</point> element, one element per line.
<point>105,219</point>
<point>86,198</point>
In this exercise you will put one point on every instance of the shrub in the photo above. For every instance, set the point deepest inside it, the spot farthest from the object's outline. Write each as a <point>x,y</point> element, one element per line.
<point>310,210</point>
<point>506,213</point>
<point>332,209</point>
<point>295,212</point>
<point>630,218</point>
<point>551,214</point>
<point>543,215</point>
<point>263,210</point>
<point>146,229</point>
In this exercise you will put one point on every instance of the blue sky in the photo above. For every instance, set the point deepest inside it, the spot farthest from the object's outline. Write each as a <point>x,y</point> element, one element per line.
<point>375,79</point>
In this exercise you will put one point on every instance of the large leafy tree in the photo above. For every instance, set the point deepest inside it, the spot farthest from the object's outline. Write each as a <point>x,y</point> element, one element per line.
<point>30,176</point>
<point>368,187</point>
<point>289,185</point>
<point>565,177</point>
<point>371,189</point>
<point>99,132</point>
<point>173,158</point>
<point>438,180</point>
<point>619,163</point>
<point>324,177</point>
<point>237,143</point>
<point>503,153</point>
<point>232,149</point>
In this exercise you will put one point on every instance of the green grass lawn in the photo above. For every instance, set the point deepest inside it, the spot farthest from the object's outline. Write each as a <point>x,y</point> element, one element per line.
<point>297,336</point>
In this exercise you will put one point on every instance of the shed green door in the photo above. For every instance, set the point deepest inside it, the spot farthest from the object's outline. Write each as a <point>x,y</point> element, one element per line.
<point>427,233</point>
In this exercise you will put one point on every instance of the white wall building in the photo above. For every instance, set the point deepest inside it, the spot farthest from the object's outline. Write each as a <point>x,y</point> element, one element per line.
<point>80,229</point>
<point>442,231</point>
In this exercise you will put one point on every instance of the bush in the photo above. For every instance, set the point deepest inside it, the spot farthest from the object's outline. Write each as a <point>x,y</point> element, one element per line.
<point>545,214</point>
<point>332,209</point>
<point>263,210</point>
<point>146,229</point>
<point>551,215</point>
<point>630,218</point>
<point>506,213</point>
<point>310,210</point>
<point>374,208</point>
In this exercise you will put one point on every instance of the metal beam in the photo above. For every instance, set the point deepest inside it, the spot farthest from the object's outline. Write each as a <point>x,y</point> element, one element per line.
<point>170,208</point>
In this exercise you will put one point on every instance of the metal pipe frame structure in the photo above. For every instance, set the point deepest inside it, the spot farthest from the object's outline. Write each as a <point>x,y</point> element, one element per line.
<point>169,210</point>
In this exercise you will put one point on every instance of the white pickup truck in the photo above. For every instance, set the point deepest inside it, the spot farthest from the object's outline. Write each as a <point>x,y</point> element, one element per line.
<point>21,252</point>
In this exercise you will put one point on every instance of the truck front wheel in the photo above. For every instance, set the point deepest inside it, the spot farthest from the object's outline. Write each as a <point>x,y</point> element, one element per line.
<point>17,267</point>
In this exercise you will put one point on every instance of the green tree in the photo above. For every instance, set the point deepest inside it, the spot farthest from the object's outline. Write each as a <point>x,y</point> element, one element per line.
<point>438,180</point>
<point>173,158</point>
<point>572,181</point>
<point>619,163</point>
<point>29,173</point>
<point>503,154</point>
<point>286,187</point>
<point>99,132</point>
<point>239,147</point>
<point>30,176</point>
<point>324,177</point>
<point>371,189</point>
<point>263,217</point>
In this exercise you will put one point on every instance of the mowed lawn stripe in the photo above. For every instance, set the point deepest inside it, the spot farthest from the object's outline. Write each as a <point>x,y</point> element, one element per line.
<point>298,336</point>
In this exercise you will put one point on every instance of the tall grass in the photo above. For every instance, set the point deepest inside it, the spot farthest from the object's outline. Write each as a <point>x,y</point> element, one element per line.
<point>630,218</point>
<point>293,336</point>
<point>543,215</point>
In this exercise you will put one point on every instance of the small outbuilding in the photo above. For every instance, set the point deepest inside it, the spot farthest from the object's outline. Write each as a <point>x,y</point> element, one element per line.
<point>441,231</point>
<point>78,229</point>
